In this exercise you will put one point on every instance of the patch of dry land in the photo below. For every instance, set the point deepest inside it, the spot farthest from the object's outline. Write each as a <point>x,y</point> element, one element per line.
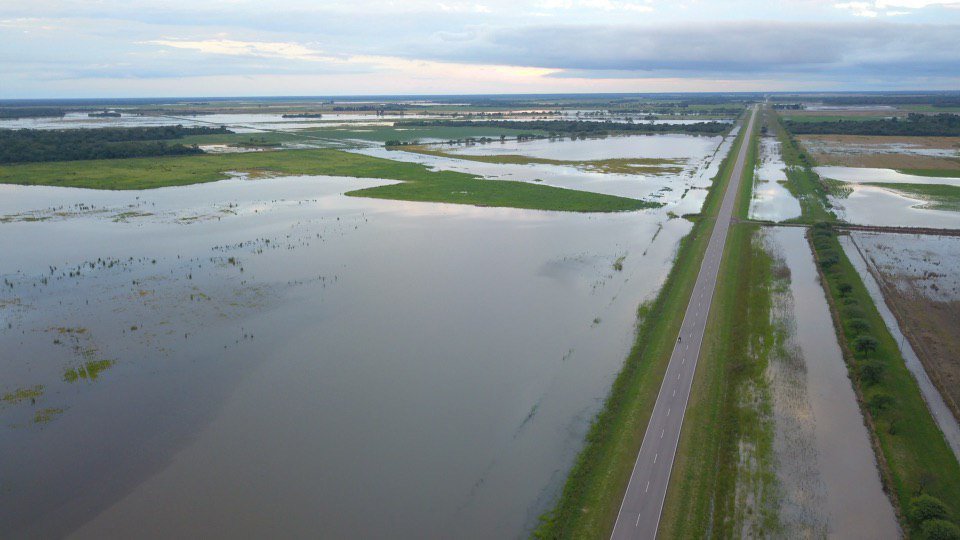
<point>920,280</point>
<point>884,152</point>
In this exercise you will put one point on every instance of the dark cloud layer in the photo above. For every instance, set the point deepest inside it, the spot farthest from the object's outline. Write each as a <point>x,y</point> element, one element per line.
<point>729,49</point>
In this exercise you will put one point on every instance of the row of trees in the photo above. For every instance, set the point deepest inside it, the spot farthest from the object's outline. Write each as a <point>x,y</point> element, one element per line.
<point>577,126</point>
<point>915,125</point>
<point>8,113</point>
<point>34,145</point>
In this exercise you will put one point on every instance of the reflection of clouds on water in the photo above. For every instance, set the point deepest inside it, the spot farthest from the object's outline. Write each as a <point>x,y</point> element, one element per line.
<point>424,333</point>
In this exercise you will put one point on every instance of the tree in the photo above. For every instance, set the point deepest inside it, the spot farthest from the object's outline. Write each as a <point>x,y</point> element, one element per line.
<point>865,343</point>
<point>926,507</point>
<point>880,402</point>
<point>940,529</point>
<point>859,325</point>
<point>871,372</point>
<point>845,289</point>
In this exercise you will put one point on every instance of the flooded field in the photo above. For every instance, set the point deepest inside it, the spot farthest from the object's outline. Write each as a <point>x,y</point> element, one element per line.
<point>920,281</point>
<point>240,123</point>
<point>681,193</point>
<point>873,205</point>
<point>884,151</point>
<point>771,200</point>
<point>860,175</point>
<point>268,357</point>
<point>824,462</point>
<point>935,401</point>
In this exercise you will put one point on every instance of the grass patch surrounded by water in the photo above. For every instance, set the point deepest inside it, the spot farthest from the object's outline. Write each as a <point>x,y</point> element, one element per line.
<point>419,182</point>
<point>613,165</point>
<point>938,197</point>
<point>914,456</point>
<point>591,496</point>
<point>934,173</point>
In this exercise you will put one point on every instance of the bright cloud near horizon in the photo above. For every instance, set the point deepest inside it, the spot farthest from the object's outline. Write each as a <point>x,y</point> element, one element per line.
<point>140,48</point>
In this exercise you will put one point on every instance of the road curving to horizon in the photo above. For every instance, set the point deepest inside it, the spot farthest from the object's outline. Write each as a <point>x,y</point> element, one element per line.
<point>639,515</point>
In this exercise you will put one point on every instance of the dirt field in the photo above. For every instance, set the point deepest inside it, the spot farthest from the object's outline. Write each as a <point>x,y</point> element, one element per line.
<point>884,152</point>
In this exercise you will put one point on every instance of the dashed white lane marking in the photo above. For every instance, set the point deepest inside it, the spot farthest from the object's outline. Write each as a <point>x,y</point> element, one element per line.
<point>663,430</point>
<point>655,456</point>
<point>646,489</point>
<point>668,412</point>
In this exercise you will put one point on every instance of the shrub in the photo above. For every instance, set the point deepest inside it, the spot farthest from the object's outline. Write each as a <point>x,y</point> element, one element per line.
<point>865,343</point>
<point>880,402</point>
<point>845,289</point>
<point>926,507</point>
<point>940,529</point>
<point>858,325</point>
<point>871,372</point>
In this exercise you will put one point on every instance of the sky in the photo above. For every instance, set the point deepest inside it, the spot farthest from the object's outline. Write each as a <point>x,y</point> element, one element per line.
<point>139,48</point>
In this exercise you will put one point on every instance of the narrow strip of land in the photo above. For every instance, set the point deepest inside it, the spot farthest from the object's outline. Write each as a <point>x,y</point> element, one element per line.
<point>643,501</point>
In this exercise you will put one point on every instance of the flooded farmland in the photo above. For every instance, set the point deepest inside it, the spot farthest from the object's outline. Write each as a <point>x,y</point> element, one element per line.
<point>176,358</point>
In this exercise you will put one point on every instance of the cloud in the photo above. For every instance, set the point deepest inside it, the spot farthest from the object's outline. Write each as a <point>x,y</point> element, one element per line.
<point>259,49</point>
<point>893,7</point>
<point>730,49</point>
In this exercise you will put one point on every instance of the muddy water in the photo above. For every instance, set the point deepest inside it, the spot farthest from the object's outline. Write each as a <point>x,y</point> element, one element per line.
<point>941,413</point>
<point>771,200</point>
<point>271,358</point>
<point>855,503</point>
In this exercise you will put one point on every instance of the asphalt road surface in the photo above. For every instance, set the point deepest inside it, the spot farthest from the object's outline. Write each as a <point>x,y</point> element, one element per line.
<point>639,515</point>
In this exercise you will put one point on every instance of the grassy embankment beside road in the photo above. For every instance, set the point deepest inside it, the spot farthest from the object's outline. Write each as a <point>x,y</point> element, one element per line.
<point>914,456</point>
<point>613,165</point>
<point>591,497</point>
<point>725,413</point>
<point>418,182</point>
<point>723,479</point>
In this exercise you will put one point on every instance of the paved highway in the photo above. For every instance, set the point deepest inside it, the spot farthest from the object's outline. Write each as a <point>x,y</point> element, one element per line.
<point>642,504</point>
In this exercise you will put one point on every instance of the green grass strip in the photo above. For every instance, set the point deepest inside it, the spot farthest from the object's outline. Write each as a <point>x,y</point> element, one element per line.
<point>419,182</point>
